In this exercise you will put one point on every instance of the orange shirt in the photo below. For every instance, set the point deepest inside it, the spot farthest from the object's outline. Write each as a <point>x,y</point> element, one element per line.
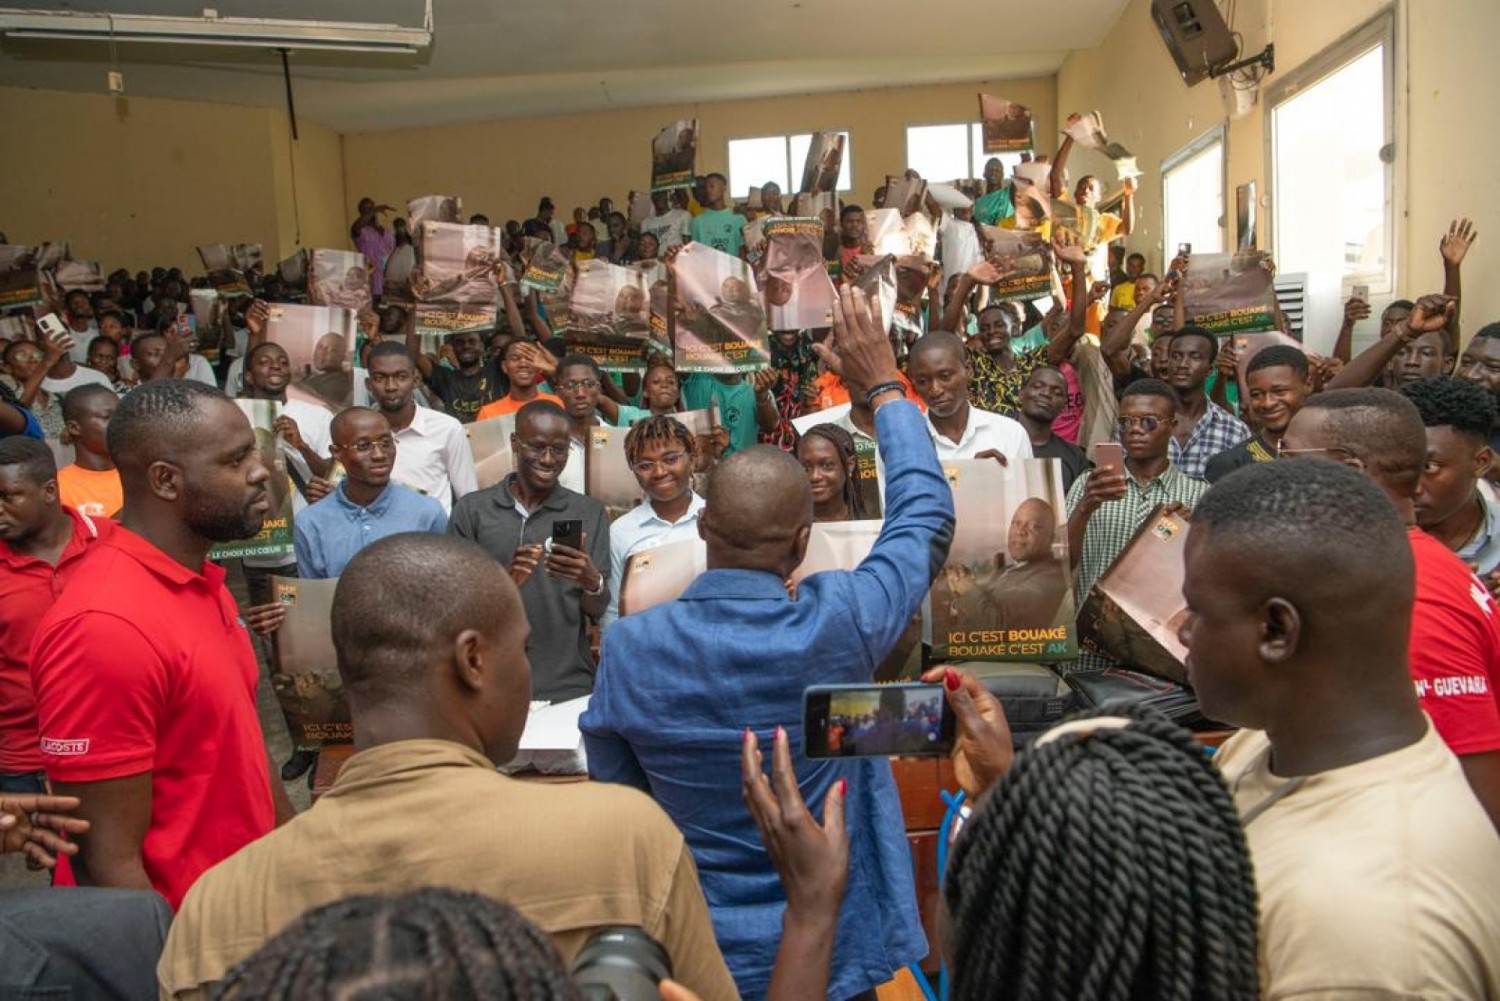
<point>96,494</point>
<point>509,405</point>
<point>832,392</point>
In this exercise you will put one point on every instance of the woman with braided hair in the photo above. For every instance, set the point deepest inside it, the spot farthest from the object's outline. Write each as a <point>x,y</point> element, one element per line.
<point>430,943</point>
<point>1108,863</point>
<point>828,455</point>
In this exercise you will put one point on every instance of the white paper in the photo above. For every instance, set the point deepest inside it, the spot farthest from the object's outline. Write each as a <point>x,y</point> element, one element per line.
<point>554,726</point>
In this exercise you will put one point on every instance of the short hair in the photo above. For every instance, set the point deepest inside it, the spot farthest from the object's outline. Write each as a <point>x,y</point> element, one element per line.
<point>938,340</point>
<point>260,348</point>
<point>154,418</point>
<point>1148,274</point>
<point>709,177</point>
<point>1152,387</point>
<point>1445,401</point>
<point>1405,304</point>
<point>1194,331</point>
<point>15,346</point>
<point>1053,369</point>
<point>1488,330</point>
<point>1137,256</point>
<point>1279,356</point>
<point>849,210</point>
<point>77,398</point>
<point>587,361</point>
<point>430,942</point>
<point>540,408</point>
<point>1381,427</point>
<point>391,349</point>
<point>659,429</point>
<point>344,416</point>
<point>101,339</point>
<point>32,455</point>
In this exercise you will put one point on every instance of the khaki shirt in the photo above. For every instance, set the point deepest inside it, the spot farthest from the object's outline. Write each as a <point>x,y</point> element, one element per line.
<point>571,858</point>
<point>1380,879</point>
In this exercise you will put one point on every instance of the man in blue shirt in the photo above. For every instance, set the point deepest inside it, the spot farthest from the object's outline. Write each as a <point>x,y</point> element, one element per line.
<point>680,683</point>
<point>367,506</point>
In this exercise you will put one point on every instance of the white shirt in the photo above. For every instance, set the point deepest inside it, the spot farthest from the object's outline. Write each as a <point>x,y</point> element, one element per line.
<point>433,458</point>
<point>670,228</point>
<point>199,370</point>
<point>79,352</point>
<point>985,431</point>
<point>637,530</point>
<point>572,475</point>
<point>82,376</point>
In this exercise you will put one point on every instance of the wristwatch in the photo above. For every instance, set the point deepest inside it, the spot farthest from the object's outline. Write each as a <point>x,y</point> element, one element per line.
<point>597,588</point>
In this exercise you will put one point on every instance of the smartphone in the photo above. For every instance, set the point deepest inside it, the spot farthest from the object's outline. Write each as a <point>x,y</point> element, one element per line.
<point>51,326</point>
<point>1108,457</point>
<point>1361,292</point>
<point>863,721</point>
<point>1184,250</point>
<point>568,532</point>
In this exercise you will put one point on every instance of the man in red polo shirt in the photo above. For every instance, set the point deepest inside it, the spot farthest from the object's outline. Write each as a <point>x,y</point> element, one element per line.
<point>41,543</point>
<point>143,672</point>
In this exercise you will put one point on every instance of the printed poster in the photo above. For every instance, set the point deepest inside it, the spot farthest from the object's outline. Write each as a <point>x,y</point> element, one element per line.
<point>275,538</point>
<point>305,674</point>
<point>674,153</point>
<point>19,283</point>
<point>799,294</point>
<point>825,159</point>
<point>1028,257</point>
<point>722,325</point>
<point>607,475</point>
<point>339,278</point>
<point>319,341</point>
<point>1247,346</point>
<point>456,287</point>
<point>1136,608</point>
<point>1230,293</point>
<point>489,443</point>
<point>223,263</point>
<point>1006,125</point>
<point>610,307</point>
<point>657,576</point>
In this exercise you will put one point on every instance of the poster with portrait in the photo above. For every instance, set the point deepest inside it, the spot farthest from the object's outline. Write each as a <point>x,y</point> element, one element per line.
<point>610,309</point>
<point>1006,591</point>
<point>607,476</point>
<point>1026,256</point>
<point>722,325</point>
<point>293,271</point>
<point>798,292</point>
<point>205,306</point>
<point>820,205</point>
<point>674,153</point>
<point>825,160</point>
<point>225,274</point>
<point>904,194</point>
<point>1134,611</point>
<point>433,208</point>
<point>305,672</point>
<point>319,342</point>
<point>275,536</point>
<point>70,274</point>
<point>1005,125</point>
<point>1229,294</point>
<point>338,278</point>
<point>20,284</point>
<point>456,288</point>
<point>657,576</point>
<point>489,443</point>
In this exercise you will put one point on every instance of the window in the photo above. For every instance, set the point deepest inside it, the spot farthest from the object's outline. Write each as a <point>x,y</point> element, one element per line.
<point>760,160</point>
<point>951,152</point>
<point>1192,199</point>
<point>1330,162</point>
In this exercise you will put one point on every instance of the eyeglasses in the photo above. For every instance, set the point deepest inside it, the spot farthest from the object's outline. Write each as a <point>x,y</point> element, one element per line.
<point>648,466</point>
<point>555,451</point>
<point>573,385</point>
<point>1146,424</point>
<point>1300,453</point>
<point>364,446</point>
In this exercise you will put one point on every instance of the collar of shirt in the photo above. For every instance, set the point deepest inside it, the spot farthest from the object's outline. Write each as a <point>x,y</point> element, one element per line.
<point>644,514</point>
<point>557,500</point>
<point>1160,482</point>
<point>162,565</point>
<point>1488,535</point>
<point>402,760</point>
<point>85,530</point>
<point>422,425</point>
<point>1215,418</point>
<point>375,509</point>
<point>971,428</point>
<point>736,585</point>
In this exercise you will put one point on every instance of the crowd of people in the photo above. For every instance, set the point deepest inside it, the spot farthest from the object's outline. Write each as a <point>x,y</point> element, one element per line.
<point>1339,583</point>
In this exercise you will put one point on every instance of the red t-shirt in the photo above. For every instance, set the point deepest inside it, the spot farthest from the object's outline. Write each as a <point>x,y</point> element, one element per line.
<point>28,587</point>
<point>1455,648</point>
<point>145,666</point>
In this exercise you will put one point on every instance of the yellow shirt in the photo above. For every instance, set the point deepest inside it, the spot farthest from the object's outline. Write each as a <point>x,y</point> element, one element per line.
<point>96,494</point>
<point>1377,880</point>
<point>572,858</point>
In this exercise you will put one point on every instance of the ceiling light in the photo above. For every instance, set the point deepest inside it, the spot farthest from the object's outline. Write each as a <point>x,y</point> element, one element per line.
<point>244,32</point>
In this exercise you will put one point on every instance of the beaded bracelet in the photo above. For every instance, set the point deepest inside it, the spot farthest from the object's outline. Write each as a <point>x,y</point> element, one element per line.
<point>884,387</point>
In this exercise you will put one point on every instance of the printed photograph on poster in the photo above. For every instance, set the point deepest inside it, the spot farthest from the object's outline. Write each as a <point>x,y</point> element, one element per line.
<point>339,278</point>
<point>223,273</point>
<point>86,275</point>
<point>674,152</point>
<point>456,286</point>
<point>205,307</point>
<point>305,674</point>
<point>1088,131</point>
<point>721,326</point>
<point>1027,255</point>
<point>611,315</point>
<point>319,341</point>
<point>1230,293</point>
<point>1032,205</point>
<point>709,440</point>
<point>657,576</point>
<point>1247,346</point>
<point>799,294</point>
<point>20,284</point>
<point>1006,592</point>
<point>822,206</point>
<point>1005,125</point>
<point>607,475</point>
<point>294,273</point>
<point>489,443</point>
<point>904,194</point>
<point>1136,608</point>
<point>433,208</point>
<point>825,159</point>
<point>275,537</point>
<point>546,266</point>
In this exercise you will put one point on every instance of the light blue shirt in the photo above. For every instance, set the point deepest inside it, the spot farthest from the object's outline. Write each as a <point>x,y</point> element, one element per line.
<point>636,531</point>
<point>1483,550</point>
<point>330,532</point>
<point>721,229</point>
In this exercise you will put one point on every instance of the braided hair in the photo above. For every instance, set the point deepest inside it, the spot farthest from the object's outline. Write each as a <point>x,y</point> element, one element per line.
<point>843,442</point>
<point>1109,864</point>
<point>428,944</point>
<point>659,429</point>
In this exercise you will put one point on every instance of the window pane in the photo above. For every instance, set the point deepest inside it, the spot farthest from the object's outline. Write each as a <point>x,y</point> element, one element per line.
<point>753,162</point>
<point>1193,203</point>
<point>1329,183</point>
<point>979,157</point>
<point>938,152</point>
<point>799,145</point>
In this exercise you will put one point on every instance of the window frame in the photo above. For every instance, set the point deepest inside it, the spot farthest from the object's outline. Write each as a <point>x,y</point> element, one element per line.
<point>1378,31</point>
<point>975,149</point>
<point>1217,135</point>
<point>794,171</point>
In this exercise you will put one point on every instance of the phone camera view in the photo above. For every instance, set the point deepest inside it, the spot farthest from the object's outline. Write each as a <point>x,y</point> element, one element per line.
<point>885,720</point>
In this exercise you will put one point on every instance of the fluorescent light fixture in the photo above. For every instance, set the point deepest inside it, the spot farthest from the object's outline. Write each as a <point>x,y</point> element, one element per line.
<point>245,32</point>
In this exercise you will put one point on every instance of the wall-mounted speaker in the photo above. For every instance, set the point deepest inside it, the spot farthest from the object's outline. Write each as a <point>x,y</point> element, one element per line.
<point>1196,35</point>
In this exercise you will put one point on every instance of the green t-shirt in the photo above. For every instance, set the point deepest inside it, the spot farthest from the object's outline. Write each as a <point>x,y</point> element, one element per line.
<point>993,207</point>
<point>736,406</point>
<point>722,229</point>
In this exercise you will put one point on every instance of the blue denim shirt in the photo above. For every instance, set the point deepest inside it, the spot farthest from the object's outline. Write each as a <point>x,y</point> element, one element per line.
<point>678,684</point>
<point>330,532</point>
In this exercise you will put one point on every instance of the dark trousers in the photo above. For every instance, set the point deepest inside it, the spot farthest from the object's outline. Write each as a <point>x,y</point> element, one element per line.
<point>23,782</point>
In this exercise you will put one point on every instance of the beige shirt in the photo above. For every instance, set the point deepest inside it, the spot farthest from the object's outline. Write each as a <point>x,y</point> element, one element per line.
<point>1377,880</point>
<point>572,858</point>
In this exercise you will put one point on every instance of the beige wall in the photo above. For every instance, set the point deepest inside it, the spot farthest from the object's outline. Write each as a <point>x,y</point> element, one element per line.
<point>501,168</point>
<point>1445,77</point>
<point>139,181</point>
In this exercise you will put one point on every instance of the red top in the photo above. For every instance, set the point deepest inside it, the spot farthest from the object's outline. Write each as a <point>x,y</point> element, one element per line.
<point>1455,648</point>
<point>28,587</point>
<point>145,666</point>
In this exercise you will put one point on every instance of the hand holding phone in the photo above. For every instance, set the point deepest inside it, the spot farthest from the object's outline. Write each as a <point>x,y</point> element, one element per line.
<point>860,721</point>
<point>1108,458</point>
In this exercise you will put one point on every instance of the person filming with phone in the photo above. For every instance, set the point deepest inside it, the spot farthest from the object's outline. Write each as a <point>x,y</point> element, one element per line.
<point>554,542</point>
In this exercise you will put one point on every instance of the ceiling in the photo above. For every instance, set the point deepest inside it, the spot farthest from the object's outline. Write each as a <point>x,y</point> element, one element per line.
<point>495,59</point>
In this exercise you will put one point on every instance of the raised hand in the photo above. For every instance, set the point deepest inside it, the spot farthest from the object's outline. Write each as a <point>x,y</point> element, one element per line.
<point>861,346</point>
<point>1067,247</point>
<point>983,752</point>
<point>1432,312</point>
<point>992,270</point>
<point>1454,245</point>
<point>1356,310</point>
<point>811,858</point>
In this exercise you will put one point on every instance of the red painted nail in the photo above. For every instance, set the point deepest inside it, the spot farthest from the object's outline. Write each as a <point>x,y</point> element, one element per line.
<point>781,733</point>
<point>951,680</point>
<point>843,788</point>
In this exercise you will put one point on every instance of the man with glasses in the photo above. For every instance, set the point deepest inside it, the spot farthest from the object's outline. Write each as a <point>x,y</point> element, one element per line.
<point>1106,506</point>
<point>577,382</point>
<point>562,588</point>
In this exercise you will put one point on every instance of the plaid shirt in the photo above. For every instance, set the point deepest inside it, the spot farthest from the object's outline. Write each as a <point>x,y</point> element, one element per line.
<point>1215,431</point>
<point>1115,522</point>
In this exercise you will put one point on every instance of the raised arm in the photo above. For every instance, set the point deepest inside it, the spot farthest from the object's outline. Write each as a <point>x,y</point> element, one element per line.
<point>1454,247</point>
<point>1069,254</point>
<point>1432,312</point>
<point>1354,311</point>
<point>1127,207</point>
<point>1060,161</point>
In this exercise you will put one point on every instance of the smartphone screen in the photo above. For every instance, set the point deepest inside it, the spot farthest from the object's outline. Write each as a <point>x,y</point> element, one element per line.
<point>1184,249</point>
<point>568,532</point>
<point>1108,457</point>
<point>861,721</point>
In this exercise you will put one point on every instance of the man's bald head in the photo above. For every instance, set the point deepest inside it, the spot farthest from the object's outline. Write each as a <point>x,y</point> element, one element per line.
<point>348,423</point>
<point>759,511</point>
<point>1383,429</point>
<point>1032,530</point>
